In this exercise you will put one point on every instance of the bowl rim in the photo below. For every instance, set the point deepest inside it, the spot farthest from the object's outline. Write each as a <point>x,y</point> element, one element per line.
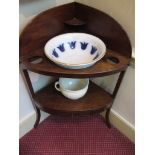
<point>74,65</point>
<point>86,86</point>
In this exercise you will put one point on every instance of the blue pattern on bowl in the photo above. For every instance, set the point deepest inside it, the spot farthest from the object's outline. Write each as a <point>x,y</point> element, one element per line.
<point>72,44</point>
<point>83,45</point>
<point>93,50</point>
<point>61,47</point>
<point>75,50</point>
<point>55,53</point>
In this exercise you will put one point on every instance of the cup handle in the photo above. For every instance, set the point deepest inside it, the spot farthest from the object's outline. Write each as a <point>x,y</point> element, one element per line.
<point>56,86</point>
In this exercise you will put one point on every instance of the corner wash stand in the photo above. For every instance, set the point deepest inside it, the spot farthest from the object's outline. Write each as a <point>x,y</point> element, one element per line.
<point>73,17</point>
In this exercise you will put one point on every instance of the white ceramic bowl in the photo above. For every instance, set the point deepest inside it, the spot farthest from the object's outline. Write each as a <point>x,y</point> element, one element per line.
<point>75,50</point>
<point>72,88</point>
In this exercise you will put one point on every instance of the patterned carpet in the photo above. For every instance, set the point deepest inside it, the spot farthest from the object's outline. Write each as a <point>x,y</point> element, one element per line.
<point>77,135</point>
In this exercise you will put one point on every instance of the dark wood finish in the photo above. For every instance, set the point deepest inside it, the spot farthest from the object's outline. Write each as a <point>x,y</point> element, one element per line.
<point>28,83</point>
<point>37,117</point>
<point>101,68</point>
<point>105,27</point>
<point>51,23</point>
<point>32,95</point>
<point>73,17</point>
<point>50,100</point>
<point>75,22</point>
<point>107,119</point>
<point>120,78</point>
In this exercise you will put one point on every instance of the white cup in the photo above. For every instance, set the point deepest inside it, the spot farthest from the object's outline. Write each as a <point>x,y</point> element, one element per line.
<point>72,88</point>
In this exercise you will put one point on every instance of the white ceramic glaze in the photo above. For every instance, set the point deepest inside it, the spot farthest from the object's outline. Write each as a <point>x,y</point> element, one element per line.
<point>72,88</point>
<point>75,50</point>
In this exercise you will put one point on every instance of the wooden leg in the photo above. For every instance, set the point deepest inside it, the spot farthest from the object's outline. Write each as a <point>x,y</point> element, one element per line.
<point>31,92</point>
<point>107,118</point>
<point>37,118</point>
<point>114,95</point>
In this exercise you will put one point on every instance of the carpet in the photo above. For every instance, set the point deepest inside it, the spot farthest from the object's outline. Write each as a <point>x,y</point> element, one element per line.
<point>75,135</point>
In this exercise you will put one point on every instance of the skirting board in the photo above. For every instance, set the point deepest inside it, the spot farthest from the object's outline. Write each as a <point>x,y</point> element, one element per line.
<point>116,120</point>
<point>122,125</point>
<point>27,123</point>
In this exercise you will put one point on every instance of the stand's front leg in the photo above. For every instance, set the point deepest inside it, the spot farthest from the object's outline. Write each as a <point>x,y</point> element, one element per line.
<point>107,118</point>
<point>32,95</point>
<point>37,118</point>
<point>120,78</point>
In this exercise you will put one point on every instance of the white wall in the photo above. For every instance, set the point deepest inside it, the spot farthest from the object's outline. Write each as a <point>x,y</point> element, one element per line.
<point>123,12</point>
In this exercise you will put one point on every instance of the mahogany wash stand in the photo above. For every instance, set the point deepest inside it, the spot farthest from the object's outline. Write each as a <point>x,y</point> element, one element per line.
<point>73,17</point>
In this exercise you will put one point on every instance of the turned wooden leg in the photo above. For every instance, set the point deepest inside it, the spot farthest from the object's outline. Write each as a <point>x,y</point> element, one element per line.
<point>107,118</point>
<point>37,118</point>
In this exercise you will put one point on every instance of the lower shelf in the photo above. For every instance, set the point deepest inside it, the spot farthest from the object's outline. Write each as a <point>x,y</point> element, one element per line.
<point>52,101</point>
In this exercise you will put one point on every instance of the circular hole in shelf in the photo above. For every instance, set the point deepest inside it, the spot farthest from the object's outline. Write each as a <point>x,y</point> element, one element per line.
<point>35,60</point>
<point>112,60</point>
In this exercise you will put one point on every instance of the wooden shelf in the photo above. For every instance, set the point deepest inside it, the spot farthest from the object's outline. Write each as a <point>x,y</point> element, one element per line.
<point>101,68</point>
<point>82,19</point>
<point>52,101</point>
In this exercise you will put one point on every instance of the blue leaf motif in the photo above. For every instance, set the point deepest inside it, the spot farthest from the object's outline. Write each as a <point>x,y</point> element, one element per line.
<point>93,50</point>
<point>83,45</point>
<point>72,44</point>
<point>61,47</point>
<point>55,53</point>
